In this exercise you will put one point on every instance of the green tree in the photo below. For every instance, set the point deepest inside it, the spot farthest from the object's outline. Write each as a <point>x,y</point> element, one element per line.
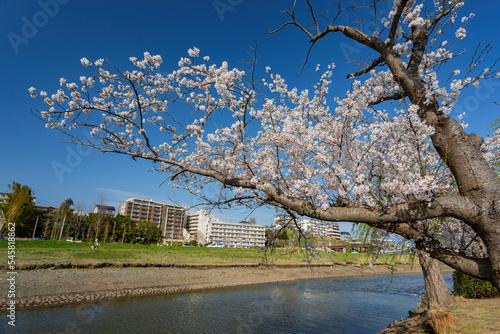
<point>121,224</point>
<point>19,208</point>
<point>142,232</point>
<point>128,231</point>
<point>63,215</point>
<point>149,233</point>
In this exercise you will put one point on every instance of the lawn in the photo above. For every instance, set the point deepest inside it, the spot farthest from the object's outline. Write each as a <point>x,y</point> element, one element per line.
<point>477,316</point>
<point>31,253</point>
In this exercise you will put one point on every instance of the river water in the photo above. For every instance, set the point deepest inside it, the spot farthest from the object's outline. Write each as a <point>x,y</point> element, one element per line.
<point>350,305</point>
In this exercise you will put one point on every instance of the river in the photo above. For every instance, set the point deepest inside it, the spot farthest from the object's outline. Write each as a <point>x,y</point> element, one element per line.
<point>349,305</point>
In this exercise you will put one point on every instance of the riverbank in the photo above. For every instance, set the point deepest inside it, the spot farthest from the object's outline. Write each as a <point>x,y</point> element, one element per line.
<point>465,316</point>
<point>49,287</point>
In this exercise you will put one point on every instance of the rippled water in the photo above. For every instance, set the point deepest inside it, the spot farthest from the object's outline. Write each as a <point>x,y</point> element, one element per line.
<point>351,305</point>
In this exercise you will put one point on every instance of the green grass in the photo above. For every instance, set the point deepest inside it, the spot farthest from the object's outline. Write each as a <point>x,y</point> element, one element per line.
<point>477,316</point>
<point>33,253</point>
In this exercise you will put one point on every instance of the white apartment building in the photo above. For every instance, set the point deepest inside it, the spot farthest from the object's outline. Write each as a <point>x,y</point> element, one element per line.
<point>197,225</point>
<point>241,234</point>
<point>346,236</point>
<point>320,228</point>
<point>315,227</point>
<point>206,228</point>
<point>169,218</point>
<point>281,220</point>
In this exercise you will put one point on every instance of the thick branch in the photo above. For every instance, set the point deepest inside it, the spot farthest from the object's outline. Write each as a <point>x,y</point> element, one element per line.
<point>355,34</point>
<point>475,267</point>
<point>387,97</point>
<point>443,206</point>
<point>420,38</point>
<point>395,22</point>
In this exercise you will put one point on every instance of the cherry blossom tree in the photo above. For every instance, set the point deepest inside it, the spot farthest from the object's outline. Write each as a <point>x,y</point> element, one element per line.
<point>388,153</point>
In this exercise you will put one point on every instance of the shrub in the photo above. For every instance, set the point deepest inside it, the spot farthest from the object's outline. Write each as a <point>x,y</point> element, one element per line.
<point>469,287</point>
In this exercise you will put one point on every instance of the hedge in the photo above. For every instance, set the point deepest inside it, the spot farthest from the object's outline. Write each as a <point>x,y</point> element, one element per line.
<point>469,287</point>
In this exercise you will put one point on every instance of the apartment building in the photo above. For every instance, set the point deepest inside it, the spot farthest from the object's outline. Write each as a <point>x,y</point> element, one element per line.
<point>174,223</point>
<point>242,234</point>
<point>169,218</point>
<point>320,228</point>
<point>197,225</point>
<point>205,228</point>
<point>345,236</point>
<point>313,226</point>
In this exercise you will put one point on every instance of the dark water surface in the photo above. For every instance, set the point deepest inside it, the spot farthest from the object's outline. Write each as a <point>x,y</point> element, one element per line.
<point>350,305</point>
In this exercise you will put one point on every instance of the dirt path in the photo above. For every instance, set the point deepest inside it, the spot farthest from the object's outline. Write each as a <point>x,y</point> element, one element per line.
<point>35,288</point>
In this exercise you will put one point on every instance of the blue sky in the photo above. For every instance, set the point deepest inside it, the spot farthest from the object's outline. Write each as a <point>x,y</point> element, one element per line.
<point>43,41</point>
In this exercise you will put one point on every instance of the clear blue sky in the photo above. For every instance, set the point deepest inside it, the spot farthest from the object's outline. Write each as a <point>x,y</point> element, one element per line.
<point>41,42</point>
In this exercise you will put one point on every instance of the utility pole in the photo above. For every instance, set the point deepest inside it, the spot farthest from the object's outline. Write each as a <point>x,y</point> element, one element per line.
<point>62,228</point>
<point>36,223</point>
<point>124,230</point>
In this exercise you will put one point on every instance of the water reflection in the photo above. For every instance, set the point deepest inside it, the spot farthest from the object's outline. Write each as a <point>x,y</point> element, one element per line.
<point>354,305</point>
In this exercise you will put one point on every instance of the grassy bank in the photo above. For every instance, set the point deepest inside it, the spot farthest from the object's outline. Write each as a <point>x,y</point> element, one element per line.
<point>465,316</point>
<point>475,316</point>
<point>35,253</point>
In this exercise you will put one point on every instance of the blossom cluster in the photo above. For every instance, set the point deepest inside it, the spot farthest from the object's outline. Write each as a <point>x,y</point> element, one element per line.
<point>300,143</point>
<point>293,140</point>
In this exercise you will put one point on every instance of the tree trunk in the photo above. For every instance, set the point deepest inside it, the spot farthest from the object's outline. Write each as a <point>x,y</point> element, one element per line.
<point>113,234</point>
<point>55,225</point>
<point>437,291</point>
<point>88,233</point>
<point>106,232</point>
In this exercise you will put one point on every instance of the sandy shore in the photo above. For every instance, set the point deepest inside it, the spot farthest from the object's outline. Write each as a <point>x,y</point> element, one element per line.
<point>39,288</point>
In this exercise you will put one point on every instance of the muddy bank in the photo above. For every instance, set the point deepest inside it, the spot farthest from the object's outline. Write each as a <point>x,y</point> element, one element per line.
<point>47,287</point>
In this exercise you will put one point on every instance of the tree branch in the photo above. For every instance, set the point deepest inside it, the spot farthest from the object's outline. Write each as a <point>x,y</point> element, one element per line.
<point>391,96</point>
<point>375,63</point>
<point>395,22</point>
<point>354,34</point>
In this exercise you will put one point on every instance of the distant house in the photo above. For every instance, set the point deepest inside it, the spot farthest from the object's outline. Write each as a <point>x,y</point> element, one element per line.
<point>45,208</point>
<point>105,210</point>
<point>3,198</point>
